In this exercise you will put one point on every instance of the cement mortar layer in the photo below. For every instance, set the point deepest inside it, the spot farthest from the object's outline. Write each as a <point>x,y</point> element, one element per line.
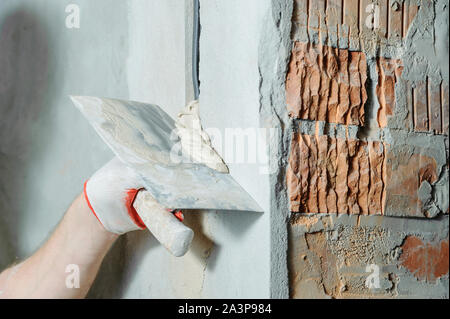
<point>273,59</point>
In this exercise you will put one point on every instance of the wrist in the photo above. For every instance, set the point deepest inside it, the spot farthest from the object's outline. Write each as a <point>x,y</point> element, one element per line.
<point>90,221</point>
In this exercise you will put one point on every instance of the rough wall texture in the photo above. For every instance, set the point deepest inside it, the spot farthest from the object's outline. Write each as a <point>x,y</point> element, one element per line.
<point>366,93</point>
<point>333,257</point>
<point>326,84</point>
<point>336,175</point>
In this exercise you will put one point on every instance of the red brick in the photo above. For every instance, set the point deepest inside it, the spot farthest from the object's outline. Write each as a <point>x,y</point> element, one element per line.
<point>426,261</point>
<point>326,84</point>
<point>352,20</point>
<point>389,73</point>
<point>420,105</point>
<point>336,175</point>
<point>331,174</point>
<point>377,184</point>
<point>395,18</point>
<point>364,180</point>
<point>445,107</point>
<point>342,174</point>
<point>334,17</point>
<point>410,12</point>
<point>313,204</point>
<point>426,101</point>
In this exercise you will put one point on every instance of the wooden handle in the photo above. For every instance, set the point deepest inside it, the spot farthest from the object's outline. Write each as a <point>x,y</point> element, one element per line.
<point>169,231</point>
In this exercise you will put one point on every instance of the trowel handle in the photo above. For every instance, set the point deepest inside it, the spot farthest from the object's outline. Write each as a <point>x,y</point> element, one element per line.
<point>169,231</point>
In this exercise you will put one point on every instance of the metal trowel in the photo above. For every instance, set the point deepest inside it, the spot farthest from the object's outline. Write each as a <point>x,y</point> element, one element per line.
<point>143,137</point>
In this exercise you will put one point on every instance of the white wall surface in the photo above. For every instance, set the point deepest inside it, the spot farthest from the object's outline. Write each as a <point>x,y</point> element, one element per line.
<point>229,98</point>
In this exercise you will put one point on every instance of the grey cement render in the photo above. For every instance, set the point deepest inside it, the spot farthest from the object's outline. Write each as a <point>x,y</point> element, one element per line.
<point>274,55</point>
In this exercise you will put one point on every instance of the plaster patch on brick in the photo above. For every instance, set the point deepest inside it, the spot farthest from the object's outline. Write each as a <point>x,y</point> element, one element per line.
<point>425,60</point>
<point>416,175</point>
<point>354,24</point>
<point>422,104</point>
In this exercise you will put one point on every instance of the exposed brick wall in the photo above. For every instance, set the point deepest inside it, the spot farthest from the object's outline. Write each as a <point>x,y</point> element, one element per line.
<point>336,175</point>
<point>389,73</point>
<point>426,102</point>
<point>326,84</point>
<point>369,114</point>
<point>347,19</point>
<point>429,106</point>
<point>347,175</point>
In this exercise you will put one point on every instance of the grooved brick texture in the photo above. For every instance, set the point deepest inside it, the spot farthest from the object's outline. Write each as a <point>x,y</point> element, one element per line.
<point>336,175</point>
<point>389,71</point>
<point>326,84</point>
<point>350,176</point>
<point>348,19</point>
<point>426,102</point>
<point>429,106</point>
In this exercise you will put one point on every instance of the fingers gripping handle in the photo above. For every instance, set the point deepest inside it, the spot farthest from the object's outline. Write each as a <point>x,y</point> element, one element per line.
<point>169,231</point>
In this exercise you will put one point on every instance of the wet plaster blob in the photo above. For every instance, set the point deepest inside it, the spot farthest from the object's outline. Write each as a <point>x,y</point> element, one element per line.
<point>195,142</point>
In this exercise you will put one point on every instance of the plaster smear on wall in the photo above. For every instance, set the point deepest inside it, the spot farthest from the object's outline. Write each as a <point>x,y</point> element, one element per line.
<point>188,274</point>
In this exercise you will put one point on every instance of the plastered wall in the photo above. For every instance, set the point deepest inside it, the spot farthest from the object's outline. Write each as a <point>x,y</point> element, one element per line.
<point>229,256</point>
<point>362,98</point>
<point>47,148</point>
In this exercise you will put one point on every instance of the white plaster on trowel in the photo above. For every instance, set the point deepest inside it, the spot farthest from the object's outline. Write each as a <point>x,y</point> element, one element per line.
<point>195,142</point>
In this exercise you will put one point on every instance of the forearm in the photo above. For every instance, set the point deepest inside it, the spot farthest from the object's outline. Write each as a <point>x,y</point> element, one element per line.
<point>79,240</point>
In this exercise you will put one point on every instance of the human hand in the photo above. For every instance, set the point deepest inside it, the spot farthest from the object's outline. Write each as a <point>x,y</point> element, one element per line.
<point>110,194</point>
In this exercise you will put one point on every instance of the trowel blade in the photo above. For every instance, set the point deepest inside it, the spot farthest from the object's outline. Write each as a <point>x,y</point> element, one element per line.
<point>142,136</point>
